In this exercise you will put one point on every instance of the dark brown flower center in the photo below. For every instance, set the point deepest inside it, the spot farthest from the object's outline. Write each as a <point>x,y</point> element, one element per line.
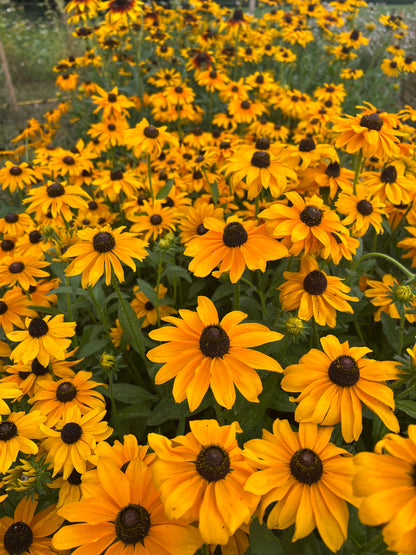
<point>15,171</point>
<point>234,235</point>
<point>260,159</point>
<point>315,283</point>
<point>245,105</point>
<point>213,463</point>
<point>333,169</point>
<point>103,241</point>
<point>372,121</point>
<point>111,127</point>
<point>65,392</point>
<point>149,306</point>
<point>214,342</point>
<point>92,205</point>
<point>132,524</point>
<point>16,267</point>
<point>306,467</point>
<point>307,144</point>
<point>262,144</point>
<point>112,97</point>
<point>8,430</point>
<point>74,478</point>
<point>3,307</point>
<point>311,215</point>
<point>7,245</point>
<point>343,371</point>
<point>179,89</point>
<point>38,327</point>
<point>389,175</point>
<point>35,237</point>
<point>11,218</point>
<point>150,132</point>
<point>201,230</point>
<point>55,190</point>
<point>364,207</point>
<point>156,219</point>
<point>38,369</point>
<point>68,160</point>
<point>116,175</point>
<point>71,433</point>
<point>18,538</point>
<point>355,34</point>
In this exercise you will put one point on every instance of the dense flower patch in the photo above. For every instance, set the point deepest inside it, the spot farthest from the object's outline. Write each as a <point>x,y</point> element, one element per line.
<point>206,293</point>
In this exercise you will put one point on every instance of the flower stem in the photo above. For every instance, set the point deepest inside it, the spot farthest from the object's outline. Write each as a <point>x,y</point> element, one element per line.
<point>116,418</point>
<point>236,296</point>
<point>386,257</point>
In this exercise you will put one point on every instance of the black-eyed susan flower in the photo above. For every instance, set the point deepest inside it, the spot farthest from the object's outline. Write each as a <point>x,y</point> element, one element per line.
<point>372,132</point>
<point>58,198</point>
<point>29,531</point>
<point>101,251</point>
<point>384,482</point>
<point>201,477</point>
<point>191,221</point>
<point>232,245</point>
<point>14,306</point>
<point>69,445</point>
<point>309,478</point>
<point>43,339</point>
<point>144,138</point>
<point>111,103</point>
<point>55,398</point>
<point>306,226</point>
<point>124,514</point>
<point>143,307</point>
<point>361,210</point>
<point>385,295</point>
<point>113,183</point>
<point>15,224</point>
<point>8,391</point>
<point>122,453</point>
<point>17,433</point>
<point>22,269</point>
<point>153,220</point>
<point>315,294</point>
<point>202,351</point>
<point>333,384</point>
<point>17,177</point>
<point>392,183</point>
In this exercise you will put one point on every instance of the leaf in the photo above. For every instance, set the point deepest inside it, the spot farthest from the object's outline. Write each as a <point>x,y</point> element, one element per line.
<point>133,411</point>
<point>165,190</point>
<point>263,541</point>
<point>215,192</point>
<point>166,410</point>
<point>130,325</point>
<point>409,407</point>
<point>92,347</point>
<point>132,394</point>
<point>173,272</point>
<point>390,329</point>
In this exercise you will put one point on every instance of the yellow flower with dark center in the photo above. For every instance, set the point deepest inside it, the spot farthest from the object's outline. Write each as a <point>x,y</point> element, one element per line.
<point>232,246</point>
<point>191,223</point>
<point>122,453</point>
<point>55,398</point>
<point>123,514</point>
<point>333,384</point>
<point>28,531</point>
<point>153,220</point>
<point>201,477</point>
<point>315,294</point>
<point>143,307</point>
<point>8,391</point>
<point>393,183</point>
<point>309,477</point>
<point>58,198</point>
<point>362,210</point>
<point>22,269</point>
<point>144,138</point>
<point>18,176</point>
<point>202,351</point>
<point>13,306</point>
<point>70,445</point>
<point>371,132</point>
<point>15,225</point>
<point>326,176</point>
<point>100,252</point>
<point>382,295</point>
<point>305,226</point>
<point>245,111</point>
<point>110,132</point>
<point>43,339</point>
<point>112,103</point>
<point>113,183</point>
<point>385,483</point>
<point>17,433</point>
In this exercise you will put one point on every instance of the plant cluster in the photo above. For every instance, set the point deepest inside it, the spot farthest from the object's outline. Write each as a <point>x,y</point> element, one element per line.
<point>207,339</point>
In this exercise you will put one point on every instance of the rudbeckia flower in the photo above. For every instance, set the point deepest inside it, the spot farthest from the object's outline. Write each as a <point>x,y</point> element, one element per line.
<point>100,251</point>
<point>43,338</point>
<point>22,269</point>
<point>13,306</point>
<point>17,433</point>
<point>386,293</point>
<point>143,307</point>
<point>124,514</point>
<point>147,139</point>
<point>333,384</point>
<point>203,352</point>
<point>201,477</point>
<point>309,477</point>
<point>315,294</point>
<point>384,482</point>
<point>28,531</point>
<point>75,438</point>
<point>232,246</point>
<point>361,210</point>
<point>60,199</point>
<point>19,176</point>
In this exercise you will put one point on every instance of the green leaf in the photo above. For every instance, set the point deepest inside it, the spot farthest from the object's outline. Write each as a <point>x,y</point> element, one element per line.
<point>130,325</point>
<point>133,411</point>
<point>173,272</point>
<point>166,410</point>
<point>132,394</point>
<point>263,541</point>
<point>409,407</point>
<point>215,192</point>
<point>92,347</point>
<point>165,190</point>
<point>390,329</point>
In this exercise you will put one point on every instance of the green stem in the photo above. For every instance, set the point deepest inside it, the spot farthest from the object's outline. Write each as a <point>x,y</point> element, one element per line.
<point>236,296</point>
<point>114,412</point>
<point>315,334</point>
<point>218,413</point>
<point>386,257</point>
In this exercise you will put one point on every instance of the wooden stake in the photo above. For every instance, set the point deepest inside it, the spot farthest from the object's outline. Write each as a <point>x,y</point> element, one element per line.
<point>9,82</point>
